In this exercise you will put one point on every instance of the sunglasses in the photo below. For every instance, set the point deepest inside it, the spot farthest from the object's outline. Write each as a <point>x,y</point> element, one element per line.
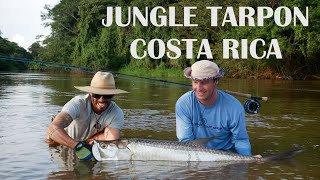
<point>98,96</point>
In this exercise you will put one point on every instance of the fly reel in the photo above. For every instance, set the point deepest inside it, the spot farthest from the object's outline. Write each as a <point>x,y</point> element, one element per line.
<point>252,106</point>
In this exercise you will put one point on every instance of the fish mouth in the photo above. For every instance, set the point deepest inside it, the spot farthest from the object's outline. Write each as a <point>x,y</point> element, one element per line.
<point>111,150</point>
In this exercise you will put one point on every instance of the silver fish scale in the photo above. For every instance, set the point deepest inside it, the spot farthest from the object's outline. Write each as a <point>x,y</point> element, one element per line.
<point>187,146</point>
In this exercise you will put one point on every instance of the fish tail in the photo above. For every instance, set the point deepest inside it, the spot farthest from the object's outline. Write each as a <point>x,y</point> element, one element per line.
<point>284,155</point>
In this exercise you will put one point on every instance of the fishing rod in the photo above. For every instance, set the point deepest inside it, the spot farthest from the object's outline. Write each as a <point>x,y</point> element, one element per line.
<point>247,95</point>
<point>251,106</point>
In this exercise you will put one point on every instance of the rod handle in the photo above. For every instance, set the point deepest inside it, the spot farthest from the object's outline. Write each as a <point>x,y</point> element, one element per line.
<point>246,95</point>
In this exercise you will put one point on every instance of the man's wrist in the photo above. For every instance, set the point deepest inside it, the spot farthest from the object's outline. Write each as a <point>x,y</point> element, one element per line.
<point>73,144</point>
<point>78,146</point>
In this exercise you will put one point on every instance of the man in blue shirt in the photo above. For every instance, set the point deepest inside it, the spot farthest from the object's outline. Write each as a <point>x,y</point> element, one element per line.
<point>205,111</point>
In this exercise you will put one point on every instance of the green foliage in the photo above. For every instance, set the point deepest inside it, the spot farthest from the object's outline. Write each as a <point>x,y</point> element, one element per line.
<point>11,49</point>
<point>78,37</point>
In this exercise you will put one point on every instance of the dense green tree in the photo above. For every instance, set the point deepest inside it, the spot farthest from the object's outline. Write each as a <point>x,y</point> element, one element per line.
<point>78,37</point>
<point>63,20</point>
<point>11,49</point>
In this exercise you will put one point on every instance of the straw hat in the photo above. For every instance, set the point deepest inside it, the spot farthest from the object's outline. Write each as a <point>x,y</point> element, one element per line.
<point>203,70</point>
<point>102,83</point>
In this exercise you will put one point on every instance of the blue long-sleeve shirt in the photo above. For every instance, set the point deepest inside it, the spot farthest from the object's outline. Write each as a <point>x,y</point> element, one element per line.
<point>224,119</point>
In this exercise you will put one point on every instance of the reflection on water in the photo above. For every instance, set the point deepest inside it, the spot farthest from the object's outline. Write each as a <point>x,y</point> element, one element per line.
<point>144,119</point>
<point>155,170</point>
<point>290,118</point>
<point>143,169</point>
<point>172,170</point>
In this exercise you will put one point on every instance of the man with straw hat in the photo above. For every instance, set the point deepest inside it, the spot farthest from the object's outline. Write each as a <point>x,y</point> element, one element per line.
<point>89,117</point>
<point>206,112</point>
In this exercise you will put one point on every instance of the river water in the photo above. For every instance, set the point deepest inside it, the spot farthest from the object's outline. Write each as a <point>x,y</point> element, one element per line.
<point>290,119</point>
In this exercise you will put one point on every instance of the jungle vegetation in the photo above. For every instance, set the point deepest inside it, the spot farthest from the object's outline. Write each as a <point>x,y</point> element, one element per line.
<point>78,38</point>
<point>12,49</point>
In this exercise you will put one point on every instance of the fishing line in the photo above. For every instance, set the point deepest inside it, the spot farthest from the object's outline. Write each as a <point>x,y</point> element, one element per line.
<point>91,70</point>
<point>155,82</point>
<point>251,106</point>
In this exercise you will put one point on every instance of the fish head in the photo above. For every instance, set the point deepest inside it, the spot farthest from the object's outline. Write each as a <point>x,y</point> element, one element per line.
<point>111,150</point>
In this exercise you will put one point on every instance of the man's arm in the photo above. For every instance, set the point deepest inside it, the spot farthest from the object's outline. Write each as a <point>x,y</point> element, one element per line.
<point>239,135</point>
<point>57,133</point>
<point>107,135</point>
<point>111,133</point>
<point>184,128</point>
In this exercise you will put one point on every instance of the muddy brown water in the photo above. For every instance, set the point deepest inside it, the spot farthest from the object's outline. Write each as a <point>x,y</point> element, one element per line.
<point>291,118</point>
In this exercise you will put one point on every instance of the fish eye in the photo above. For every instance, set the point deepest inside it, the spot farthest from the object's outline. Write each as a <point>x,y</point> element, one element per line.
<point>103,145</point>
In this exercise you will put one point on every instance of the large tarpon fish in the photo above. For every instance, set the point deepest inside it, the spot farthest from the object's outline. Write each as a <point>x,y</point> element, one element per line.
<point>163,150</point>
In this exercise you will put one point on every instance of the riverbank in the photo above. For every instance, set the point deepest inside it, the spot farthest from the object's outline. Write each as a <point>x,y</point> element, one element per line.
<point>232,70</point>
